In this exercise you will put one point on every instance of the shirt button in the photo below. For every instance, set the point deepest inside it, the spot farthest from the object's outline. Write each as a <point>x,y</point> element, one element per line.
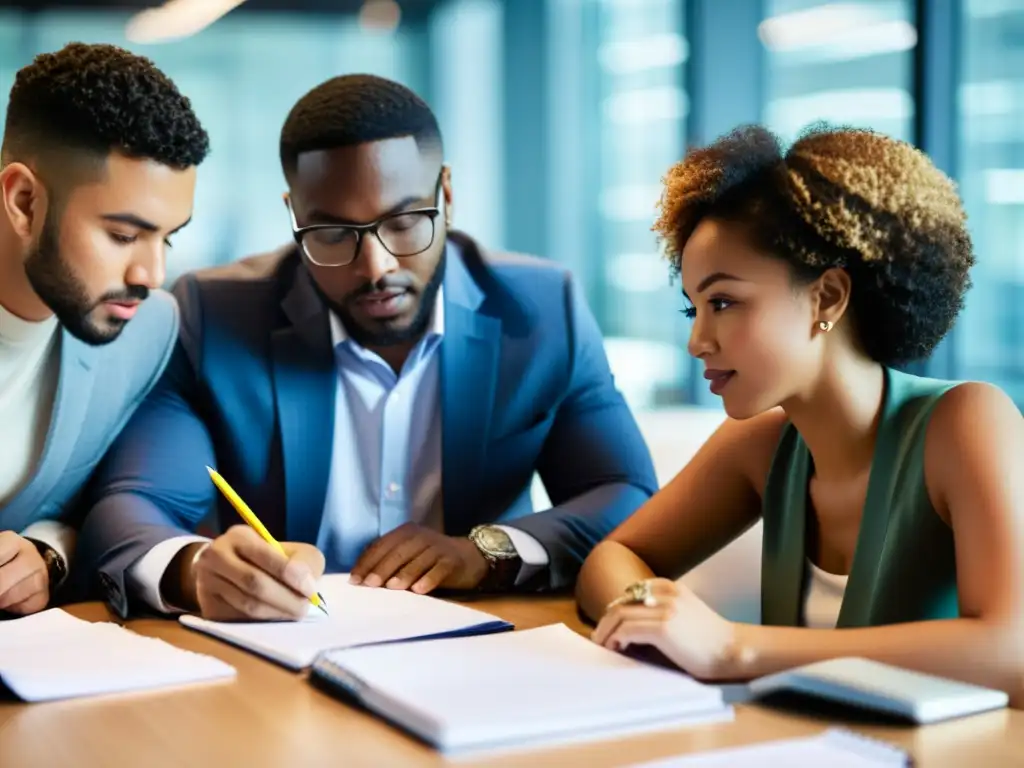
<point>393,489</point>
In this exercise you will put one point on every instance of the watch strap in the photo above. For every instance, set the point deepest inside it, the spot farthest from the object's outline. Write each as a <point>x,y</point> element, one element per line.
<point>501,574</point>
<point>56,568</point>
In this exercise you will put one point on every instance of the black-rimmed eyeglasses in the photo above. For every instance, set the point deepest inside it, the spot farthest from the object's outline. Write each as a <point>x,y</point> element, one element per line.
<point>403,234</point>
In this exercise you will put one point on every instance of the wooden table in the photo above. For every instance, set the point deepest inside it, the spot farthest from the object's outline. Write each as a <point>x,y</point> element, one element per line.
<point>272,717</point>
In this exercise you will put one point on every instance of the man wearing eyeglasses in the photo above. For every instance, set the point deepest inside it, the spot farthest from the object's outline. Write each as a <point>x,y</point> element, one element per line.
<point>380,392</point>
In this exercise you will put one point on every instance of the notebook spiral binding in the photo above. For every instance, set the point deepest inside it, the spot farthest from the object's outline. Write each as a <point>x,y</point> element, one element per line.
<point>872,749</point>
<point>338,676</point>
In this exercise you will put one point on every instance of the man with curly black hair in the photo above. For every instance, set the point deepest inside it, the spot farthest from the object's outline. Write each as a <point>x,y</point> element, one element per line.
<point>381,390</point>
<point>97,172</point>
<point>893,505</point>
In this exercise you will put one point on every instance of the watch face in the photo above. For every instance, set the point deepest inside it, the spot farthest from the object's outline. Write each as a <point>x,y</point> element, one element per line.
<point>496,541</point>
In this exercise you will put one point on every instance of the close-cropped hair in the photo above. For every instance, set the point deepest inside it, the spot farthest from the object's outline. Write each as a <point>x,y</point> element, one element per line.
<point>846,198</point>
<point>91,100</point>
<point>356,109</point>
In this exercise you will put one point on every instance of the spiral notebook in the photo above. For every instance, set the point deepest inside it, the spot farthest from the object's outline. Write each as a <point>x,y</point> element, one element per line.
<point>517,690</point>
<point>53,655</point>
<point>358,616</point>
<point>835,748</point>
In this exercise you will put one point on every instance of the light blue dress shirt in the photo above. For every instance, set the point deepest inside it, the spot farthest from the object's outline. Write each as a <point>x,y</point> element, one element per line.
<point>386,459</point>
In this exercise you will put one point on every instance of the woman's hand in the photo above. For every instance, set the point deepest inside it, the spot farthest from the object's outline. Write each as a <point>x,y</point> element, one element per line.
<point>676,622</point>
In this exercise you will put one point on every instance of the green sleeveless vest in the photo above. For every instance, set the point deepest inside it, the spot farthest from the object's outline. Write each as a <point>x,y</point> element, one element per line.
<point>903,566</point>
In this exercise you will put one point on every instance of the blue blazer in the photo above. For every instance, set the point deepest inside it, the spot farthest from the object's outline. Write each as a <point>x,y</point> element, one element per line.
<point>250,389</point>
<point>98,388</point>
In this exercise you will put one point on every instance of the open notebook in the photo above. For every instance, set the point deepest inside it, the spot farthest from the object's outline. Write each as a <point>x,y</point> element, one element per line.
<point>53,655</point>
<point>877,687</point>
<point>834,748</point>
<point>515,690</point>
<point>359,616</point>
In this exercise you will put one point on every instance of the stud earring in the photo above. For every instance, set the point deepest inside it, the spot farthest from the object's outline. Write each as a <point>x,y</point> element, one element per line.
<point>825,325</point>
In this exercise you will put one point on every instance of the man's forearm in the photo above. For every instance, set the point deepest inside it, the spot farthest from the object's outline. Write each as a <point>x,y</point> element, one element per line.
<point>120,540</point>
<point>608,570</point>
<point>971,650</point>
<point>570,530</point>
<point>178,585</point>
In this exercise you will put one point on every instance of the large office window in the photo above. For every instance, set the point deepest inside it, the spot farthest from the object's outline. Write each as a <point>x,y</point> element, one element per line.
<point>560,132</point>
<point>641,56</point>
<point>845,63</point>
<point>242,74</point>
<point>466,93</point>
<point>989,339</point>
<point>10,47</point>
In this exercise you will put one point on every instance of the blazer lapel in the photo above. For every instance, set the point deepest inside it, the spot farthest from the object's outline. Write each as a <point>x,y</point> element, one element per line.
<point>304,390</point>
<point>469,366</point>
<point>70,405</point>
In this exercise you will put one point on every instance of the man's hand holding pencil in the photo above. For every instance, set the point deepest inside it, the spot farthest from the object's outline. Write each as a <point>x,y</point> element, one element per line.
<point>239,576</point>
<point>246,574</point>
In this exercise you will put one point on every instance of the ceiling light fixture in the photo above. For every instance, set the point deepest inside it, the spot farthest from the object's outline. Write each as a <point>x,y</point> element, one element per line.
<point>176,19</point>
<point>380,15</point>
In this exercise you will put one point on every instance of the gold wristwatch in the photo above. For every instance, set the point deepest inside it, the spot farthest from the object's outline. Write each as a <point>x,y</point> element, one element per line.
<point>500,553</point>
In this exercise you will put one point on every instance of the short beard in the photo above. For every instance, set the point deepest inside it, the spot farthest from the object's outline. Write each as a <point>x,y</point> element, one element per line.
<point>55,282</point>
<point>389,337</point>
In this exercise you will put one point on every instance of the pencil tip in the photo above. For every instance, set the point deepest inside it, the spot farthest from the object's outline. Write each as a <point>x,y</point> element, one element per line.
<point>209,469</point>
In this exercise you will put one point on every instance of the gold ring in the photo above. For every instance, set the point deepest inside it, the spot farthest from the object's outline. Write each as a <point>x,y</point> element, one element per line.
<point>640,592</point>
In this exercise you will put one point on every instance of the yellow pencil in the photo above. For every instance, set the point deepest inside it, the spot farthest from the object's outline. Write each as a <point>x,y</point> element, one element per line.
<point>254,522</point>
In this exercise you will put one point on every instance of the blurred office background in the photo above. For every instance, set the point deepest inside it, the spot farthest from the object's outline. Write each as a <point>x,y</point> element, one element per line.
<point>561,116</point>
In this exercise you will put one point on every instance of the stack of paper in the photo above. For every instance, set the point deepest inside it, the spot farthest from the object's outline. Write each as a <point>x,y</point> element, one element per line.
<point>53,655</point>
<point>515,690</point>
<point>358,616</point>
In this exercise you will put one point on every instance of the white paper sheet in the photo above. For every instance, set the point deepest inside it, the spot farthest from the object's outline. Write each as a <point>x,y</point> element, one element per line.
<point>834,748</point>
<point>358,616</point>
<point>53,655</point>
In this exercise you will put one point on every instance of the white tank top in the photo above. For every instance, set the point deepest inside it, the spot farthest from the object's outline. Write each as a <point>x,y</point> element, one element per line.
<point>823,597</point>
<point>29,369</point>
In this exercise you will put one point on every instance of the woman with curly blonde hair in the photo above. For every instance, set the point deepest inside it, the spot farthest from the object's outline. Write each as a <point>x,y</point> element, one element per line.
<point>893,505</point>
